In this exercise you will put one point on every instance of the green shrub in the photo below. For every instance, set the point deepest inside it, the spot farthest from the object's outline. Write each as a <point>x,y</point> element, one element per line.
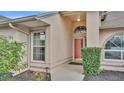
<point>91,60</point>
<point>10,56</point>
<point>5,76</point>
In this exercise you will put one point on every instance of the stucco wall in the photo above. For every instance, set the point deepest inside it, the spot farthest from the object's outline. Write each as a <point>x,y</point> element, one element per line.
<point>93,23</point>
<point>18,36</point>
<point>60,39</point>
<point>113,19</point>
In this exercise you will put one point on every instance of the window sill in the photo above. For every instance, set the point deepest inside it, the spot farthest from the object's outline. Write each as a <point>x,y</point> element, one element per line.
<point>113,60</point>
<point>41,62</point>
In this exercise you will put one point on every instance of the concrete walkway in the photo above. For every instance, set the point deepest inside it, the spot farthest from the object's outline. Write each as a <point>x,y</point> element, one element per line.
<point>67,72</point>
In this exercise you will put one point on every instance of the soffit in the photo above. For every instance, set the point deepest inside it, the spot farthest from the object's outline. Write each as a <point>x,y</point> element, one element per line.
<point>74,15</point>
<point>34,23</point>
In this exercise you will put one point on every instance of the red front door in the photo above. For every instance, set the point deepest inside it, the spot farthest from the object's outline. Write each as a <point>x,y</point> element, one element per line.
<point>78,46</point>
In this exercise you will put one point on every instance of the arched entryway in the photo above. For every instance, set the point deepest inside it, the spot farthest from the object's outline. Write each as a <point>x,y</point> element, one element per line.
<point>79,41</point>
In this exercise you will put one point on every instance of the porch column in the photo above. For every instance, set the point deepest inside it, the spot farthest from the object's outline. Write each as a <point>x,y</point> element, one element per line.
<point>92,28</point>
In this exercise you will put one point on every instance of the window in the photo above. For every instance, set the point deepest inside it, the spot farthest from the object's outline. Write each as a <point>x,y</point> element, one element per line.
<point>114,48</point>
<point>38,46</point>
<point>80,29</point>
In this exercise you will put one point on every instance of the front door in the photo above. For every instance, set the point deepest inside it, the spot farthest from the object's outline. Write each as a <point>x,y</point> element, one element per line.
<point>78,45</point>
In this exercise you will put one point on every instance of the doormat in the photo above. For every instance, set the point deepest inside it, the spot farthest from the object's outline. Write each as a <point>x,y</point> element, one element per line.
<point>75,63</point>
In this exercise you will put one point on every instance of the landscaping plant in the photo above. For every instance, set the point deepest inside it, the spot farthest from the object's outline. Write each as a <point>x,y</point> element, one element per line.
<point>91,57</point>
<point>10,56</point>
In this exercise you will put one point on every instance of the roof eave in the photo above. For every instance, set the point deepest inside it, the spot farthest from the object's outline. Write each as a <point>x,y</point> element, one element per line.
<point>19,20</point>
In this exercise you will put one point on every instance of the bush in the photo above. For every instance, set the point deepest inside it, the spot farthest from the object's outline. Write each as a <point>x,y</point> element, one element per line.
<point>91,60</point>
<point>5,76</point>
<point>10,56</point>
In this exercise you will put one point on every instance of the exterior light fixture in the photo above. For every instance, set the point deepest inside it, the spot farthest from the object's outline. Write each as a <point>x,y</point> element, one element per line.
<point>78,19</point>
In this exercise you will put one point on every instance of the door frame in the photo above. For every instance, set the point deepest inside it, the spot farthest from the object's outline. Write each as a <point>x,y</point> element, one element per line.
<point>78,36</point>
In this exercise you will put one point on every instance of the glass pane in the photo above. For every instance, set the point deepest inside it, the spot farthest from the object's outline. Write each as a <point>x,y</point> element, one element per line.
<point>38,57</point>
<point>80,29</point>
<point>42,50</point>
<point>123,55</point>
<point>39,39</point>
<point>114,43</point>
<point>39,53</point>
<point>43,57</point>
<point>122,41</point>
<point>113,55</point>
<point>42,42</point>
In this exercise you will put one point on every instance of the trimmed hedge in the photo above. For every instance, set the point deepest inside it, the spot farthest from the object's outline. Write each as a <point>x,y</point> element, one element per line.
<point>91,60</point>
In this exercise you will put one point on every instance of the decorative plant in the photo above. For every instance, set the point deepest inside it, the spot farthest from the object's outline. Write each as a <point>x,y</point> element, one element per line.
<point>43,75</point>
<point>39,75</point>
<point>10,56</point>
<point>91,60</point>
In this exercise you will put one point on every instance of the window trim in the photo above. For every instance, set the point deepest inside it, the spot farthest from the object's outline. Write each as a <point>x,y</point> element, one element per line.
<point>104,50</point>
<point>114,59</point>
<point>32,33</point>
<point>77,29</point>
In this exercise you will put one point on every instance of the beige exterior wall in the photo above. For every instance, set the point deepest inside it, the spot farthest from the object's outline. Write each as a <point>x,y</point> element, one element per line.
<point>60,39</point>
<point>17,36</point>
<point>113,19</point>
<point>93,23</point>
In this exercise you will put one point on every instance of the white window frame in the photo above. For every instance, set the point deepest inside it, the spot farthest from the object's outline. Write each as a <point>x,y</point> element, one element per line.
<point>32,60</point>
<point>114,60</point>
<point>121,60</point>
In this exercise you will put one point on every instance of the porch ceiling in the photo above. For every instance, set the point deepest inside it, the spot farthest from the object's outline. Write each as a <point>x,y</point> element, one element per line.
<point>74,15</point>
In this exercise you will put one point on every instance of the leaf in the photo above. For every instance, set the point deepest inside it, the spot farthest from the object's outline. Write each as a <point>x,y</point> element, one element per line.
<point>91,60</point>
<point>10,55</point>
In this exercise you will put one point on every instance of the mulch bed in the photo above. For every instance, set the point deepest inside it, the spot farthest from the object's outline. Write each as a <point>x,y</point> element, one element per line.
<point>29,76</point>
<point>33,76</point>
<point>106,76</point>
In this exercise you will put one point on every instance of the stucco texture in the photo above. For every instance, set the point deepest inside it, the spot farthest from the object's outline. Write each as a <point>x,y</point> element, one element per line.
<point>60,39</point>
